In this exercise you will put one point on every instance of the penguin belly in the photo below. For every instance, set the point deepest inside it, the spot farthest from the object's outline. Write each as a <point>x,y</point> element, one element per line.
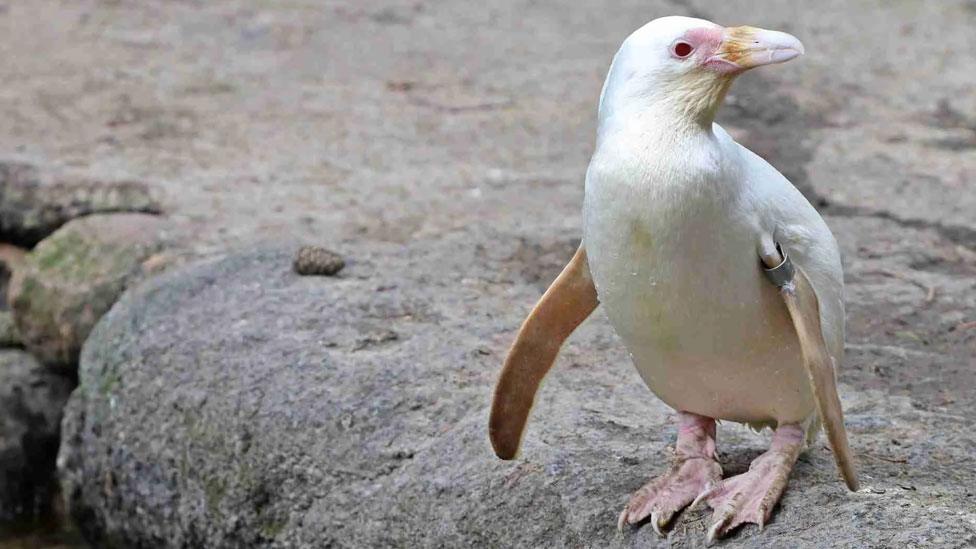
<point>683,288</point>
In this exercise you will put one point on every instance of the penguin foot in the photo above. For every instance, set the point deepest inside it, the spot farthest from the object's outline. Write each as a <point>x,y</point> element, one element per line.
<point>666,495</point>
<point>694,468</point>
<point>749,498</point>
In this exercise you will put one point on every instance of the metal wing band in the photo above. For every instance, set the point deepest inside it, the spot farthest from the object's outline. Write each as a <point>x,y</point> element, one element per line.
<point>782,274</point>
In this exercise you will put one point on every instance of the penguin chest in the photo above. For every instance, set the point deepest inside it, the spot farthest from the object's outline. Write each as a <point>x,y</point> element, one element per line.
<point>679,278</point>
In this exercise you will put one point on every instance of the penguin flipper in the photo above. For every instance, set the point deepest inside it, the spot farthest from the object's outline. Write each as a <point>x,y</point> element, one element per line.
<point>804,308</point>
<point>565,305</point>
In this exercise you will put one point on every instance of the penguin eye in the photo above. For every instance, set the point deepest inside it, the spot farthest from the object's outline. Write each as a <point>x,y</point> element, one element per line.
<point>682,49</point>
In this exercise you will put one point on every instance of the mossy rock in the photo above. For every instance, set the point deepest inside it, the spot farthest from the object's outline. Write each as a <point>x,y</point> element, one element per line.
<point>9,337</point>
<point>74,277</point>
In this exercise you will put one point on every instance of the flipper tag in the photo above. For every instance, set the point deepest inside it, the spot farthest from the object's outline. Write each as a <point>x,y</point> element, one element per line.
<point>782,274</point>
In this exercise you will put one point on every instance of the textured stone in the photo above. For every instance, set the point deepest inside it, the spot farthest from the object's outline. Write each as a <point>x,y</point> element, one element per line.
<point>9,337</point>
<point>74,276</point>
<point>233,403</point>
<point>32,206</point>
<point>31,399</point>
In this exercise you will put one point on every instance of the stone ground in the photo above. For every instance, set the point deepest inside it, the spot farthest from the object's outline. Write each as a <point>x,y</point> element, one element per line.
<point>406,121</point>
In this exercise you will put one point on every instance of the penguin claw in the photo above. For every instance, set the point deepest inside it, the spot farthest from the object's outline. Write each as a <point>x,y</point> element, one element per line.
<point>748,498</point>
<point>710,489</point>
<point>656,522</point>
<point>662,498</point>
<point>714,532</point>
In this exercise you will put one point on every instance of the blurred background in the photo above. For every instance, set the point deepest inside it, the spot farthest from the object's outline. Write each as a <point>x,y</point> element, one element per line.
<point>449,139</point>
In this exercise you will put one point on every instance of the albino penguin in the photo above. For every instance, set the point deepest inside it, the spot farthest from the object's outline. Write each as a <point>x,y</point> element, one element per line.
<point>723,282</point>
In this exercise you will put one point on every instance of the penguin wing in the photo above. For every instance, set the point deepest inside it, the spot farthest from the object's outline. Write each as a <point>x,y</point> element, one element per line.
<point>801,300</point>
<point>787,215</point>
<point>802,258</point>
<point>565,305</point>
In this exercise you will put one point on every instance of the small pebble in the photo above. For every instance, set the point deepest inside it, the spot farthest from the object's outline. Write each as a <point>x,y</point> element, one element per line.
<point>314,260</point>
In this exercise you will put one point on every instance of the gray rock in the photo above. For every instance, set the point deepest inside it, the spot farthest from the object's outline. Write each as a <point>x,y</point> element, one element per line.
<point>74,276</point>
<point>32,206</point>
<point>31,399</point>
<point>233,403</point>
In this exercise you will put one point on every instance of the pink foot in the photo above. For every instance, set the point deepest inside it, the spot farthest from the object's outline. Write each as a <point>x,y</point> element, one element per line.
<point>751,496</point>
<point>695,466</point>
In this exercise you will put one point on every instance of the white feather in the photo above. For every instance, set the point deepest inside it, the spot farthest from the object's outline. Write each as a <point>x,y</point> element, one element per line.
<point>673,216</point>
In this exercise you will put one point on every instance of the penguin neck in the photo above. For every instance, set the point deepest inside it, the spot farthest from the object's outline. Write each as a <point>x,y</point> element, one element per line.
<point>657,130</point>
<point>681,108</point>
<point>663,144</point>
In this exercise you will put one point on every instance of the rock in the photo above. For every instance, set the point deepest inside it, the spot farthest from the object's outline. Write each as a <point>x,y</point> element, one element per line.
<point>31,399</point>
<point>33,206</point>
<point>74,276</point>
<point>10,258</point>
<point>313,260</point>
<point>232,403</point>
<point>9,337</point>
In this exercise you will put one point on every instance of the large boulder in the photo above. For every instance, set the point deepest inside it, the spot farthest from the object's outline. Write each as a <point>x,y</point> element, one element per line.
<point>74,276</point>
<point>31,399</point>
<point>234,403</point>
<point>34,204</point>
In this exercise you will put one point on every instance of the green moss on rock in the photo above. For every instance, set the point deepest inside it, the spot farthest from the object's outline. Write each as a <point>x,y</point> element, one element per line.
<point>74,276</point>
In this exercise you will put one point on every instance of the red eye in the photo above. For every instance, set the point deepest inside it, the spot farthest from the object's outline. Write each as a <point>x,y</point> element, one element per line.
<point>683,49</point>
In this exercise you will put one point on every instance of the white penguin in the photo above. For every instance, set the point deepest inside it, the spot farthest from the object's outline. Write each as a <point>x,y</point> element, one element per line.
<point>721,279</point>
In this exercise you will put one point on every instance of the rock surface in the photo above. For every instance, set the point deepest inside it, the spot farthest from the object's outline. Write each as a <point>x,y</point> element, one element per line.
<point>401,121</point>
<point>32,207</point>
<point>9,336</point>
<point>10,258</point>
<point>74,276</point>
<point>234,403</point>
<point>31,399</point>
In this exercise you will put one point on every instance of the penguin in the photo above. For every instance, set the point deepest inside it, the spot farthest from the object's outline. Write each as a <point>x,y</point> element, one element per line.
<point>721,279</point>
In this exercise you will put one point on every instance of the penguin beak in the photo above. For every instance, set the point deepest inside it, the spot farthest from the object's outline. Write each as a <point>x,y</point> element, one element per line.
<point>743,48</point>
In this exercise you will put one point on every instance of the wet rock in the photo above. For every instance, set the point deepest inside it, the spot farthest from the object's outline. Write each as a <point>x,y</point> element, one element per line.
<point>313,260</point>
<point>233,403</point>
<point>31,399</point>
<point>74,276</point>
<point>33,206</point>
